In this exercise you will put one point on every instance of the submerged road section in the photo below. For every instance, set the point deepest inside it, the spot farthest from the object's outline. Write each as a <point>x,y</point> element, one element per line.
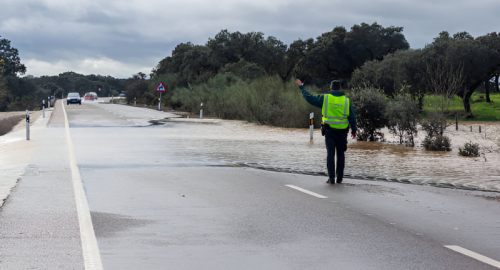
<point>156,201</point>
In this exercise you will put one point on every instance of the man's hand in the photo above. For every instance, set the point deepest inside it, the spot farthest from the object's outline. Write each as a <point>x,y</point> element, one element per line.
<point>299,82</point>
<point>353,136</point>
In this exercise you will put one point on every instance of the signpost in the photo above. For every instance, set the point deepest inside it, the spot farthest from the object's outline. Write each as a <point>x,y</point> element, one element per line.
<point>160,88</point>
<point>311,127</point>
<point>27,125</point>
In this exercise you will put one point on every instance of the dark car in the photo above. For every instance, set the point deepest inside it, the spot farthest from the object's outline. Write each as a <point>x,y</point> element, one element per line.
<point>73,97</point>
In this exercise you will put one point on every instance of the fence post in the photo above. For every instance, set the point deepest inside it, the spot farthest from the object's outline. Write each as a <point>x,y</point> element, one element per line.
<point>201,110</point>
<point>456,121</point>
<point>479,129</point>
<point>311,127</point>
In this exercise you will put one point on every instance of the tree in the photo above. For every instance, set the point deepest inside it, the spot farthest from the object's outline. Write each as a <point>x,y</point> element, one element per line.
<point>370,107</point>
<point>338,53</point>
<point>476,61</point>
<point>3,89</point>
<point>244,70</point>
<point>444,79</point>
<point>227,48</point>
<point>137,87</point>
<point>12,63</point>
<point>403,114</point>
<point>295,52</point>
<point>196,65</point>
<point>480,60</point>
<point>402,69</point>
<point>492,41</point>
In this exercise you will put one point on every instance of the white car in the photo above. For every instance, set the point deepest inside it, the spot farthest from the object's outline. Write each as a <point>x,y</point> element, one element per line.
<point>94,94</point>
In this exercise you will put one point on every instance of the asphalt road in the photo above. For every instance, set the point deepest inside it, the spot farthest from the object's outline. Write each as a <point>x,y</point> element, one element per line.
<point>152,208</point>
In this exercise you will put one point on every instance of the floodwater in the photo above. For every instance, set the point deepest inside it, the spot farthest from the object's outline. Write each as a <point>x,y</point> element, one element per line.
<point>288,150</point>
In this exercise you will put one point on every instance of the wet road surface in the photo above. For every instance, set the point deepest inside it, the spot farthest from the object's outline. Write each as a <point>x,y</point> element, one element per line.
<point>160,200</point>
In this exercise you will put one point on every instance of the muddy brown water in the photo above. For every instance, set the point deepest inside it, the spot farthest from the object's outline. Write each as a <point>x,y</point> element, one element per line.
<point>288,150</point>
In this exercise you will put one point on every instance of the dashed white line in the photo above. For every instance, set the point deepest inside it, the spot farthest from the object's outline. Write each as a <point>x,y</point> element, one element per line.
<point>307,192</point>
<point>91,255</point>
<point>474,255</point>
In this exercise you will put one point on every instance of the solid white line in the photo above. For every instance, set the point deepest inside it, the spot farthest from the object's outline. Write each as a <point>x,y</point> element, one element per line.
<point>475,255</point>
<point>307,192</point>
<point>91,255</point>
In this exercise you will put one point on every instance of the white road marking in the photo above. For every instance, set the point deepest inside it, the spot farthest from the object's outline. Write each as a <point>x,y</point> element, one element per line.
<point>91,255</point>
<point>307,191</point>
<point>474,255</point>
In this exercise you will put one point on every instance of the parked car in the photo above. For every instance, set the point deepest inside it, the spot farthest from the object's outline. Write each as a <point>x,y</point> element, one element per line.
<point>94,94</point>
<point>122,95</point>
<point>88,96</point>
<point>73,97</point>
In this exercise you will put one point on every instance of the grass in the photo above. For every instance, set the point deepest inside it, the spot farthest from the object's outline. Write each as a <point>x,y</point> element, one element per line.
<point>482,110</point>
<point>8,123</point>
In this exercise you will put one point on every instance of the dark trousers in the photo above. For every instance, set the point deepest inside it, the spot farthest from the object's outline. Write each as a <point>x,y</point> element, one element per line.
<point>335,140</point>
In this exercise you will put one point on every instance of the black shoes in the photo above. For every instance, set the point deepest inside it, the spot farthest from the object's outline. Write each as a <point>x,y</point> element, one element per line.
<point>332,181</point>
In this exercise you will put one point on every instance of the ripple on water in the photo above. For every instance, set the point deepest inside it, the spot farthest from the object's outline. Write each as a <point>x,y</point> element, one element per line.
<point>289,150</point>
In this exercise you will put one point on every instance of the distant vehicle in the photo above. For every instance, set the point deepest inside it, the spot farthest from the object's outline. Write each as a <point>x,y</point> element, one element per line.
<point>94,94</point>
<point>122,95</point>
<point>88,96</point>
<point>73,97</point>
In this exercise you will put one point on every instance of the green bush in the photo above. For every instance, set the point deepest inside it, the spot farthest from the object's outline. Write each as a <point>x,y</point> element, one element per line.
<point>434,124</point>
<point>8,123</point>
<point>266,100</point>
<point>370,107</point>
<point>437,143</point>
<point>470,150</point>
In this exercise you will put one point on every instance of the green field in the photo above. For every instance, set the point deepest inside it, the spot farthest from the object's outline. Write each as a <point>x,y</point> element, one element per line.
<point>482,110</point>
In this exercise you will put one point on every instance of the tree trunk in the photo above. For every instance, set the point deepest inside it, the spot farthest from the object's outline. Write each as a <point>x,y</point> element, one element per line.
<point>421,101</point>
<point>466,101</point>
<point>487,90</point>
<point>496,83</point>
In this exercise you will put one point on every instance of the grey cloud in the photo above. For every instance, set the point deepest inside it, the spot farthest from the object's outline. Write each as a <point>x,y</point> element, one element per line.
<point>141,31</point>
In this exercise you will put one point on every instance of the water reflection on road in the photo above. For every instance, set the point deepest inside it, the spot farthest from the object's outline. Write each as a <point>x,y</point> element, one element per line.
<point>289,150</point>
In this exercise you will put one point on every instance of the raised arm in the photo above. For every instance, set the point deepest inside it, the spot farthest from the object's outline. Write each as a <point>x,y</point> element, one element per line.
<point>316,101</point>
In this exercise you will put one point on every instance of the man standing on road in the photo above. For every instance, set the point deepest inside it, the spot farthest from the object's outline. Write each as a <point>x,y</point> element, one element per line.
<point>338,116</point>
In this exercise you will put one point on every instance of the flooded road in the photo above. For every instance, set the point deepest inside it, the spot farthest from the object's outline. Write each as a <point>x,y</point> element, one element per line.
<point>288,150</point>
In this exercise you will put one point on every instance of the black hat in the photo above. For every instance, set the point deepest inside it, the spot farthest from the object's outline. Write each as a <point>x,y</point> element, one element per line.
<point>336,85</point>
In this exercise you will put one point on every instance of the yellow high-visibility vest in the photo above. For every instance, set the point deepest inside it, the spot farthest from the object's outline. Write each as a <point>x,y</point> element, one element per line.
<point>335,111</point>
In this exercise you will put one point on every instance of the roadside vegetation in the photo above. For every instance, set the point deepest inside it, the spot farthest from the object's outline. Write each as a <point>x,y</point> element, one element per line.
<point>7,123</point>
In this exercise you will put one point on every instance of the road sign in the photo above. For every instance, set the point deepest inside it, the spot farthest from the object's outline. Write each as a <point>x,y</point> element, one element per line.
<point>160,88</point>
<point>99,89</point>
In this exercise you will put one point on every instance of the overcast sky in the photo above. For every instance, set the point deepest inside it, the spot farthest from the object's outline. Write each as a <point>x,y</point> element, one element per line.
<point>121,38</point>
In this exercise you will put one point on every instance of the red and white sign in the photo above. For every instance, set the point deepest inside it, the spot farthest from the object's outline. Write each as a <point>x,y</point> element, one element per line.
<point>161,88</point>
<point>99,89</point>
